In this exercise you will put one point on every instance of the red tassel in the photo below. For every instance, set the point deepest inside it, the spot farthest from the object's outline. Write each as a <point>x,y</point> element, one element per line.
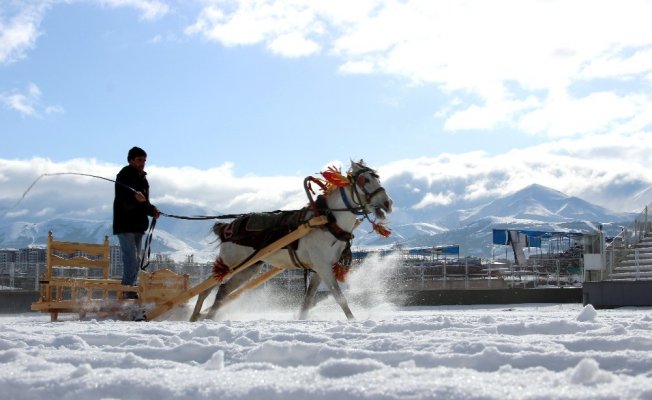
<point>335,177</point>
<point>220,269</point>
<point>340,272</point>
<point>381,229</point>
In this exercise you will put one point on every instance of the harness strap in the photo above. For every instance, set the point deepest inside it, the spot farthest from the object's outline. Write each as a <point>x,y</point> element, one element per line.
<point>348,205</point>
<point>144,260</point>
<point>295,259</point>
<point>338,232</point>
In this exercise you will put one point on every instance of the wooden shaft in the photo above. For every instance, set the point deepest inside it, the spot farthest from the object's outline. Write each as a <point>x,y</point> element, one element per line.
<point>250,285</point>
<point>254,283</point>
<point>182,297</point>
<point>262,253</point>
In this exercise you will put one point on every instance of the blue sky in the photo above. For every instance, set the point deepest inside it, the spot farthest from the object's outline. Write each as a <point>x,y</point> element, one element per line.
<point>279,89</point>
<point>108,73</point>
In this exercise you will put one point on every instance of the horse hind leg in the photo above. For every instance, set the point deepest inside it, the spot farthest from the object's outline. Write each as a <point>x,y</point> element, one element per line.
<point>309,298</point>
<point>230,286</point>
<point>200,301</point>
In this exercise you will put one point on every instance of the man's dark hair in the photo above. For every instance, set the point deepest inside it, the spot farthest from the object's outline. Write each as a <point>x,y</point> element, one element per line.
<point>135,152</point>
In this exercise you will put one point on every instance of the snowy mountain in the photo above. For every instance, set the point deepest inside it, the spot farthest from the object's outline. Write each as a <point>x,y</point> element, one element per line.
<point>535,203</point>
<point>24,234</point>
<point>534,207</point>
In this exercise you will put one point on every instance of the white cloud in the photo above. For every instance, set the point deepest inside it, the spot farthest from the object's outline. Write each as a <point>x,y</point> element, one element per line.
<point>156,39</point>
<point>150,9</point>
<point>293,45</point>
<point>286,28</point>
<point>212,24</point>
<point>215,189</point>
<point>218,189</point>
<point>604,169</point>
<point>513,63</point>
<point>357,67</point>
<point>18,34</point>
<point>19,102</point>
<point>45,212</point>
<point>20,30</point>
<point>435,199</point>
<point>594,113</point>
<point>28,102</point>
<point>17,213</point>
<point>54,110</point>
<point>489,116</point>
<point>612,65</point>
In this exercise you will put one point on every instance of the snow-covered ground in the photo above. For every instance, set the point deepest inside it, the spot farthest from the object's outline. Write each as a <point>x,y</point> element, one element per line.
<point>257,349</point>
<point>451,352</point>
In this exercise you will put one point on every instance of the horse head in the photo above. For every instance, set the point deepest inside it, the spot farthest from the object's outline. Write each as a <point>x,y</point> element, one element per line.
<point>368,190</point>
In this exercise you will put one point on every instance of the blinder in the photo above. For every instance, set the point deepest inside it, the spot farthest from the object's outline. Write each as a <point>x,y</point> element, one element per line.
<point>361,182</point>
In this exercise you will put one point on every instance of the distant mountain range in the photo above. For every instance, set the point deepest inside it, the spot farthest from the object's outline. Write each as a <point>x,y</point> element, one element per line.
<point>534,207</point>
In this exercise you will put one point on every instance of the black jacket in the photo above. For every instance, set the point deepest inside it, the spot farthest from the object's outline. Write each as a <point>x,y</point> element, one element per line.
<point>129,215</point>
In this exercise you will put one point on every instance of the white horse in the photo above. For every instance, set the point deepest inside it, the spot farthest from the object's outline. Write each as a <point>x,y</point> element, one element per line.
<point>346,201</point>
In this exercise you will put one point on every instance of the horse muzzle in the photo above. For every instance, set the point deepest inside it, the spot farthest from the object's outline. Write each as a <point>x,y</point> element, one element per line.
<point>384,208</point>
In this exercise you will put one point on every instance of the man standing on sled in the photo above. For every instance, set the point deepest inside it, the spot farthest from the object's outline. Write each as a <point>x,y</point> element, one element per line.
<point>131,209</point>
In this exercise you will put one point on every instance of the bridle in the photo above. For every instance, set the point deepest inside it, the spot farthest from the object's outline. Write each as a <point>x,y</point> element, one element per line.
<point>359,181</point>
<point>357,204</point>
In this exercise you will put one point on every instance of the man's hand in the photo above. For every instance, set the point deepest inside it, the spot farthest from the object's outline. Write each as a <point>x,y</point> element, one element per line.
<point>140,197</point>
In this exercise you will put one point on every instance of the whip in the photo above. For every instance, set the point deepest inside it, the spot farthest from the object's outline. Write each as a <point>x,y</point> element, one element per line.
<point>63,173</point>
<point>148,239</point>
<point>197,217</point>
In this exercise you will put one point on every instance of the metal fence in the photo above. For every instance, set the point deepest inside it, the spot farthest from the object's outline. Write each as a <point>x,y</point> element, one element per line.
<point>624,244</point>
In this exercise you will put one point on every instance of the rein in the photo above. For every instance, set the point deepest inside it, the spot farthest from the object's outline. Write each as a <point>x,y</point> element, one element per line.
<point>203,217</point>
<point>150,232</point>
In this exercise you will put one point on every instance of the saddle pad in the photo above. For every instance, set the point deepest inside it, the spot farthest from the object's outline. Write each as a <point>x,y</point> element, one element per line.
<point>257,230</point>
<point>257,222</point>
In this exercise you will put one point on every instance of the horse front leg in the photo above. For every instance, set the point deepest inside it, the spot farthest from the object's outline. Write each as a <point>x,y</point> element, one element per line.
<point>336,291</point>
<point>309,298</point>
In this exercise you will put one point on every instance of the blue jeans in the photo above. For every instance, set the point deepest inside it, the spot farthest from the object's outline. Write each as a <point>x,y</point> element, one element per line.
<point>130,244</point>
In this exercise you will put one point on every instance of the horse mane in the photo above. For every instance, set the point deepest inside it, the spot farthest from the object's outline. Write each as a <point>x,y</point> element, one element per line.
<point>332,178</point>
<point>359,164</point>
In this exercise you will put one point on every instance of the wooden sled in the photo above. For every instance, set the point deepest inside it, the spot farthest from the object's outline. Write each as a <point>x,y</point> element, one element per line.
<point>76,280</point>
